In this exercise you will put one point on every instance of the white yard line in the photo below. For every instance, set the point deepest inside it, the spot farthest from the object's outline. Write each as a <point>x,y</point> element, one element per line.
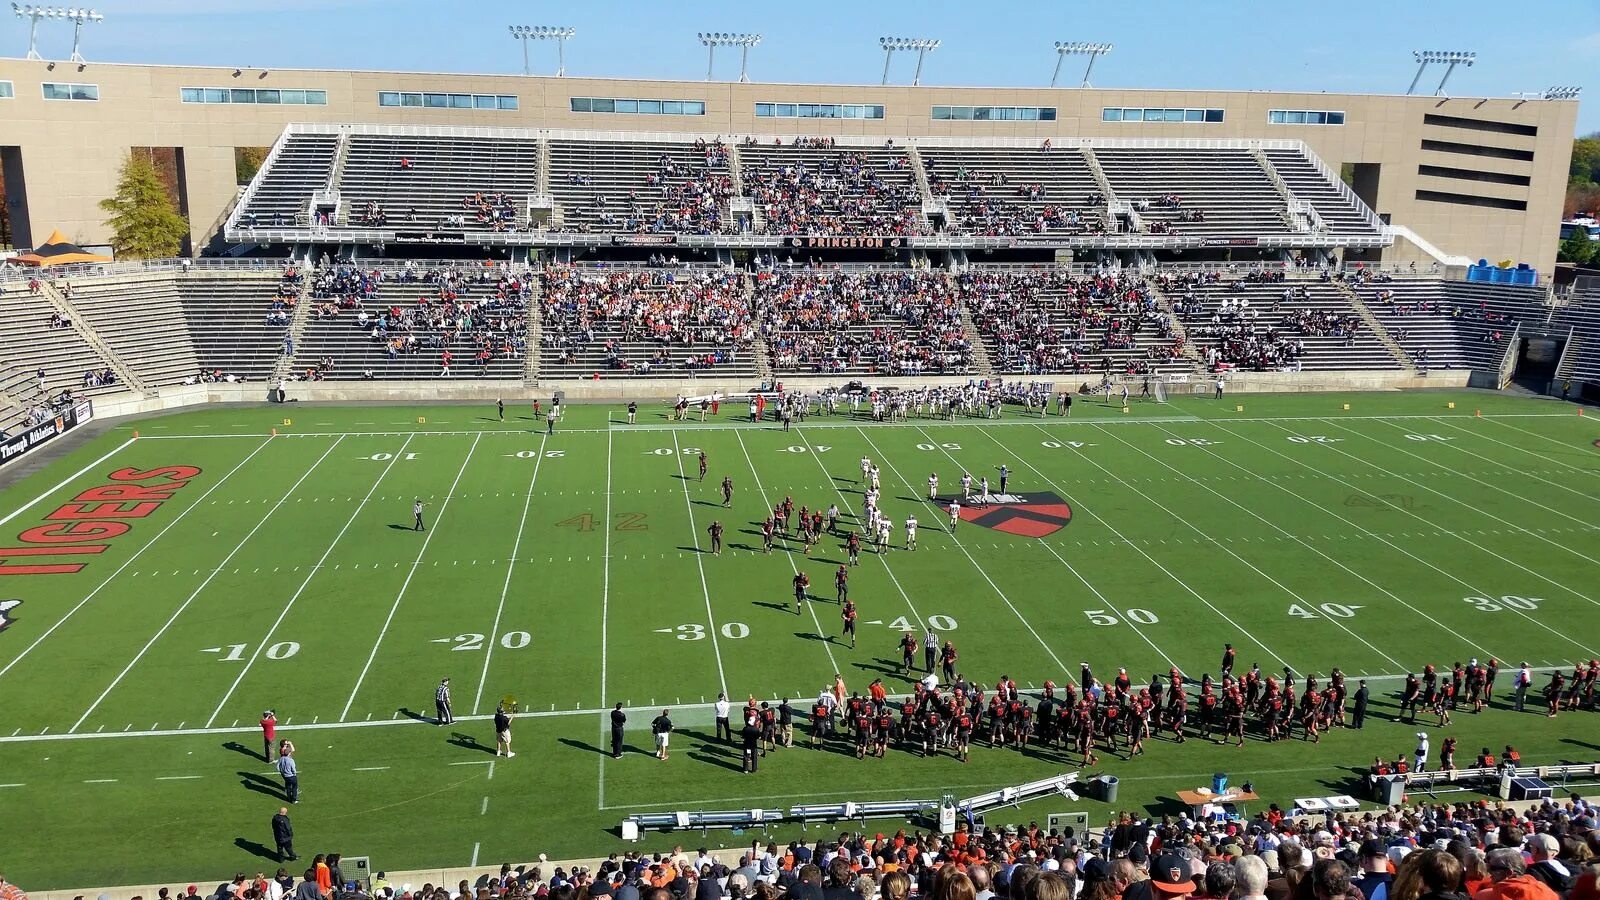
<point>605,611</point>
<point>543,714</point>
<point>855,423</point>
<point>243,542</point>
<point>788,556</point>
<point>1541,576</point>
<point>1523,451</point>
<point>384,631</point>
<point>283,613</point>
<point>1545,437</point>
<point>505,588</point>
<point>1308,545</point>
<point>1065,495</point>
<point>1472,589</point>
<point>811,451</point>
<point>1226,549</point>
<point>66,481</point>
<point>133,557</point>
<point>1050,651</point>
<point>699,561</point>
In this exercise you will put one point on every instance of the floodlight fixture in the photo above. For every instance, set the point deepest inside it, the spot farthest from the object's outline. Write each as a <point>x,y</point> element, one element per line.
<point>559,34</point>
<point>1562,92</point>
<point>715,39</point>
<point>1090,49</point>
<point>921,45</point>
<point>78,17</point>
<point>35,13</point>
<point>1450,58</point>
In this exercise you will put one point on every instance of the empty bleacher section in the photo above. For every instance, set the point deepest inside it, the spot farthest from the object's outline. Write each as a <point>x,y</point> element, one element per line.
<point>238,321</point>
<point>652,187</point>
<point>648,322</point>
<point>816,186</point>
<point>1051,321</point>
<point>476,183</point>
<point>1004,191</point>
<point>1262,323</point>
<point>1341,212</point>
<point>889,322</point>
<point>33,340</point>
<point>1581,319</point>
<point>281,192</point>
<point>1450,324</point>
<point>143,322</point>
<point>415,322</point>
<point>1204,191</point>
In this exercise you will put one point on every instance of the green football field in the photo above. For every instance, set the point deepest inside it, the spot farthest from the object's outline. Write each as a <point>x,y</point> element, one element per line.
<point>1374,532</point>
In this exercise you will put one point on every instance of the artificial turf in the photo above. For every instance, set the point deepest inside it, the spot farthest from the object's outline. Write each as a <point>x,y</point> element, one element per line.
<point>1374,532</point>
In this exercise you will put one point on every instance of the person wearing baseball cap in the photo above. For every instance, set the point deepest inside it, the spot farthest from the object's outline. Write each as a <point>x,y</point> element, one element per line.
<point>1170,877</point>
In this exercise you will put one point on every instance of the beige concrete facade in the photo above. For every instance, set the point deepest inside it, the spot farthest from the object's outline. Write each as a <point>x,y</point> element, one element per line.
<point>1466,155</point>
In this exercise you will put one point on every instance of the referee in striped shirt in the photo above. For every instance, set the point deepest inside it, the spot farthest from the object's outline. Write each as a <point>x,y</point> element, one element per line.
<point>441,704</point>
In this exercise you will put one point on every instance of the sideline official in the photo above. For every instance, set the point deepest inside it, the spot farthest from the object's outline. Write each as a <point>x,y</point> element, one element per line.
<point>619,719</point>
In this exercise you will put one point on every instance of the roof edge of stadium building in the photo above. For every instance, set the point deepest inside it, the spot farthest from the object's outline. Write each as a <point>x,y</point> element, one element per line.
<point>702,84</point>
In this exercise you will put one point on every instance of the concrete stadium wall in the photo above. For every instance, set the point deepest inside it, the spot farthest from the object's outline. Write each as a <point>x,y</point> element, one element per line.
<point>70,150</point>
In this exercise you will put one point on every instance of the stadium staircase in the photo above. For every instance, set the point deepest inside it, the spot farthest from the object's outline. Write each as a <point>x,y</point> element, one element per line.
<point>1401,357</point>
<point>1189,351</point>
<point>297,326</point>
<point>125,372</point>
<point>1300,216</point>
<point>1103,184</point>
<point>982,365</point>
<point>530,362</point>
<point>758,347</point>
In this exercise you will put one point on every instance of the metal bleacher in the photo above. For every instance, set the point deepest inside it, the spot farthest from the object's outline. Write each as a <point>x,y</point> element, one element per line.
<point>876,322</point>
<point>834,189</point>
<point>607,186</point>
<point>666,323</point>
<point>28,344</point>
<point>987,189</point>
<point>1451,324</point>
<point>424,180</point>
<point>1273,311</point>
<point>1339,210</point>
<point>1226,184</point>
<point>228,320</point>
<point>1581,318</point>
<point>282,191</point>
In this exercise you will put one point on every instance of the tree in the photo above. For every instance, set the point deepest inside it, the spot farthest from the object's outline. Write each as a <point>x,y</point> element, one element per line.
<point>1578,249</point>
<point>1585,168</point>
<point>247,161</point>
<point>144,223</point>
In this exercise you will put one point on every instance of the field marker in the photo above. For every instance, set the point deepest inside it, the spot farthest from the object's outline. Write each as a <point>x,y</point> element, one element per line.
<point>605,610</point>
<point>484,810</point>
<point>474,863</point>
<point>178,777</point>
<point>136,554</point>
<point>369,768</point>
<point>185,605</point>
<point>439,520</point>
<point>505,588</point>
<point>1450,575</point>
<point>694,537</point>
<point>788,555</point>
<point>100,781</point>
<point>17,784</point>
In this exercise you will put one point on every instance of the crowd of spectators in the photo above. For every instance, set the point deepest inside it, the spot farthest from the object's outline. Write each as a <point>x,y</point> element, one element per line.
<point>477,312</point>
<point>1050,321</point>
<point>845,192</point>
<point>899,322</point>
<point>1427,851</point>
<point>990,205</point>
<point>683,194</point>
<point>694,318</point>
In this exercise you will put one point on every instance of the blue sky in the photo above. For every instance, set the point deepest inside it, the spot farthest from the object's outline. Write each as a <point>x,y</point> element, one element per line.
<point>1357,45</point>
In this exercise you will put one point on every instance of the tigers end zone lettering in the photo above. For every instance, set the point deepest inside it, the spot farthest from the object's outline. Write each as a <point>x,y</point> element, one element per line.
<point>82,526</point>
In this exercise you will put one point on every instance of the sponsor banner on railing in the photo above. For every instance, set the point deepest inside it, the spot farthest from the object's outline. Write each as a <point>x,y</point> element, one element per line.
<point>1230,242</point>
<point>18,445</point>
<point>430,237</point>
<point>844,242</point>
<point>643,240</point>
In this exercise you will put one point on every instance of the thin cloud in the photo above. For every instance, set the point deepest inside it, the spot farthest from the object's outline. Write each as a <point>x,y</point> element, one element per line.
<point>1587,46</point>
<point>188,9</point>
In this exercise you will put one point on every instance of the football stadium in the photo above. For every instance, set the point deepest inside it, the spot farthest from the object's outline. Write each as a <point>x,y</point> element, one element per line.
<point>424,486</point>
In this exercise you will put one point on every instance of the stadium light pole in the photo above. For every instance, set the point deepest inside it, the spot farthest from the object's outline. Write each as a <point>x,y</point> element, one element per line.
<point>715,39</point>
<point>526,33</point>
<point>30,11</point>
<point>921,45</point>
<point>1451,59</point>
<point>78,17</point>
<point>1562,92</point>
<point>1078,48</point>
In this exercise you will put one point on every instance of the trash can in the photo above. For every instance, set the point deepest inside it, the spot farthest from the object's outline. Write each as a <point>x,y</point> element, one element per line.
<point>1219,783</point>
<point>1389,789</point>
<point>1108,788</point>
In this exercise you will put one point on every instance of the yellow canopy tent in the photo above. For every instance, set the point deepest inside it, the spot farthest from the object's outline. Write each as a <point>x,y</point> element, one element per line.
<point>58,251</point>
